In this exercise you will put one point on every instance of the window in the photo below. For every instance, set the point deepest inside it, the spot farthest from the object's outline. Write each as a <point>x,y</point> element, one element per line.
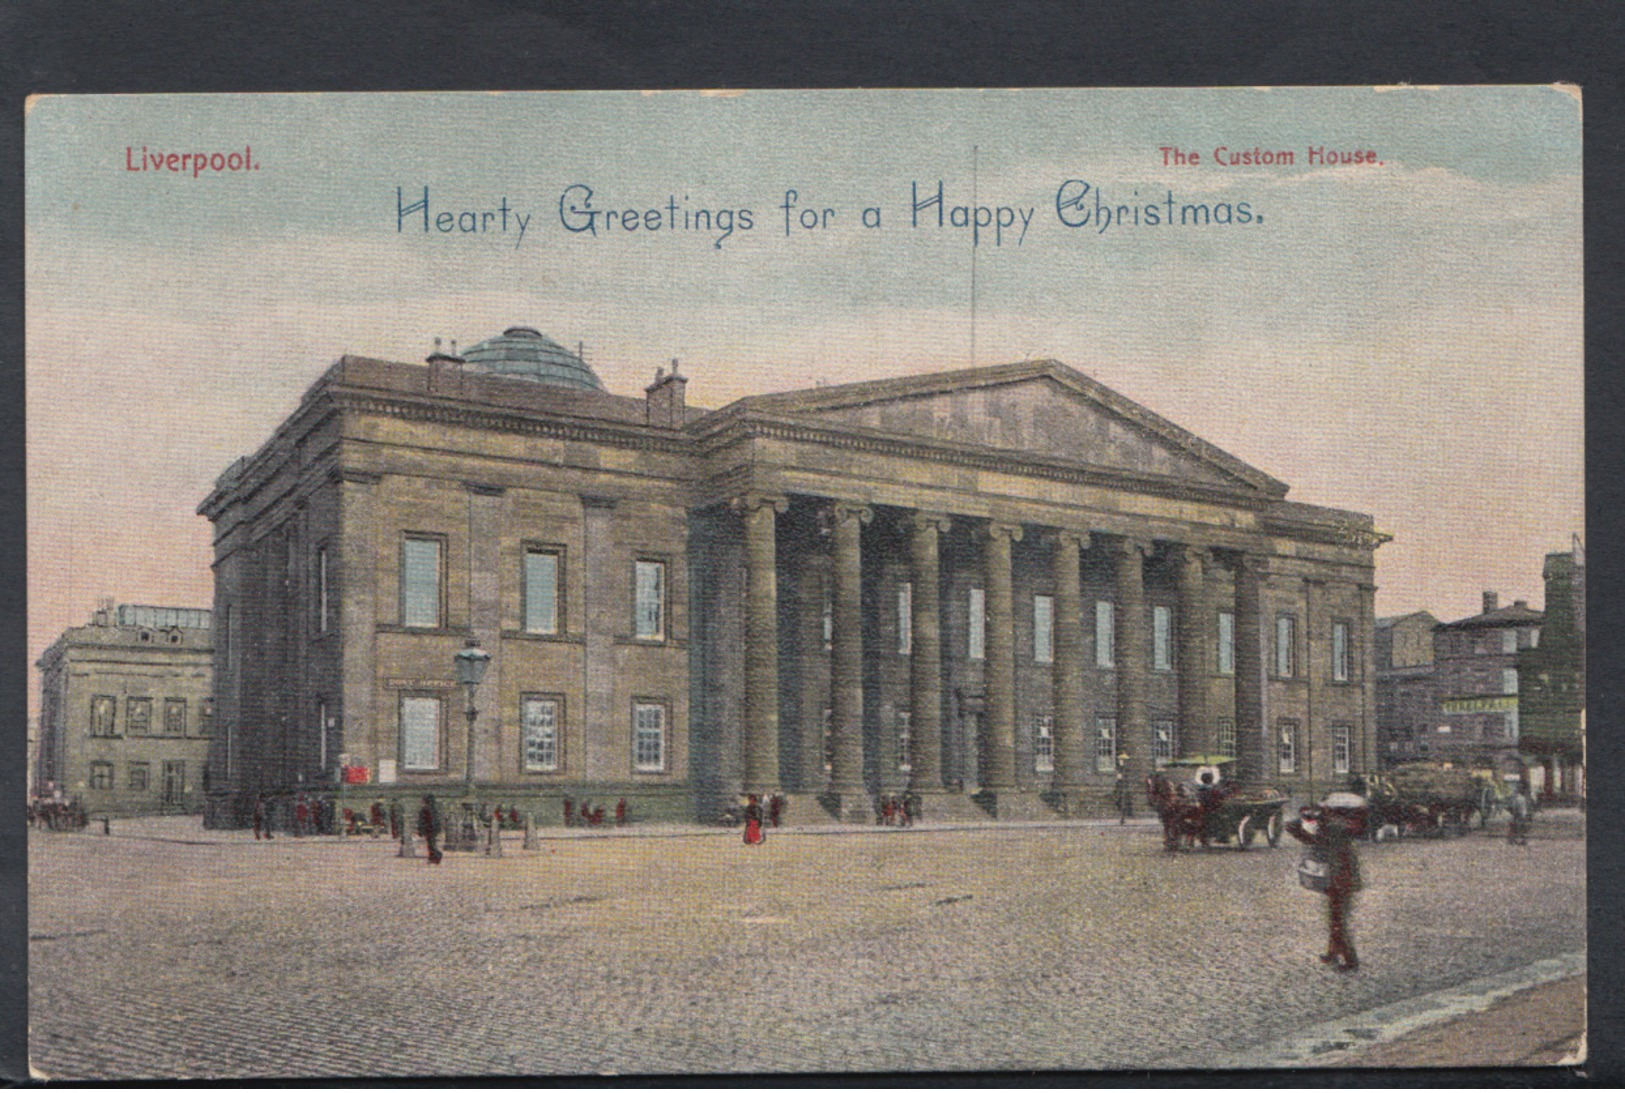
<point>1105,745</point>
<point>1509,681</point>
<point>1342,749</point>
<point>541,592</point>
<point>174,780</point>
<point>138,716</point>
<point>174,717</point>
<point>1164,744</point>
<point>1340,652</point>
<point>649,606</point>
<point>829,623</point>
<point>1044,743</point>
<point>1105,634</point>
<point>225,634</point>
<point>324,607</point>
<point>1509,641</point>
<point>140,777</point>
<point>1227,643</point>
<point>102,708</point>
<point>420,582</point>
<point>541,728</point>
<point>905,618</point>
<point>420,732</point>
<point>1227,736</point>
<point>1286,632</point>
<point>205,718</point>
<point>321,732</point>
<point>101,775</point>
<point>1287,732</point>
<point>978,624</point>
<point>649,736</point>
<point>905,740</point>
<point>1044,629</point>
<point>1162,639</point>
<point>1534,637</point>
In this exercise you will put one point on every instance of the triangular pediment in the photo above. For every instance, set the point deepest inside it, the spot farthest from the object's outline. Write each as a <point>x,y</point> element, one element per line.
<point>1040,408</point>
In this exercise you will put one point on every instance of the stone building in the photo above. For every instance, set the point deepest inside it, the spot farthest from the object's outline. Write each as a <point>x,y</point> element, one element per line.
<point>1475,664</point>
<point>1407,699</point>
<point>1552,682</point>
<point>996,587</point>
<point>126,711</point>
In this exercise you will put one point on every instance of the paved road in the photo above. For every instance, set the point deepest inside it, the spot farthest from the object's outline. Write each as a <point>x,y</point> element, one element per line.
<point>170,952</point>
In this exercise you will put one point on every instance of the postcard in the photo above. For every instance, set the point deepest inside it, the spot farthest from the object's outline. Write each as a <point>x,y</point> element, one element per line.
<point>805,582</point>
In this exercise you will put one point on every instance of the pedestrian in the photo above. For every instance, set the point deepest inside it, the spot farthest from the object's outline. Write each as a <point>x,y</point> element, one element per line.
<point>911,808</point>
<point>301,816</point>
<point>1337,863</point>
<point>260,824</point>
<point>429,827</point>
<point>1123,797</point>
<point>753,821</point>
<point>569,812</point>
<point>396,819</point>
<point>377,818</point>
<point>620,812</point>
<point>775,809</point>
<point>1518,810</point>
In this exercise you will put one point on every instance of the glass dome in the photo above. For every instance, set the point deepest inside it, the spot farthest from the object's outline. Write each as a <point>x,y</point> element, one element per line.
<point>522,351</point>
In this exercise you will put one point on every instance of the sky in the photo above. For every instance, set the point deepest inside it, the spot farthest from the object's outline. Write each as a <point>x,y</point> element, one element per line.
<point>1401,337</point>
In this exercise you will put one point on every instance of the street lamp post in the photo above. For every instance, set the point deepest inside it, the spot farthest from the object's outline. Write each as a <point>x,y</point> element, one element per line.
<point>471,663</point>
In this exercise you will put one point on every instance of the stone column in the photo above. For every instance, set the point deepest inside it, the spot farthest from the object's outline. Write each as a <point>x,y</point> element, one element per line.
<point>999,748</point>
<point>810,580</point>
<point>925,665</point>
<point>1133,728</point>
<point>1071,751</point>
<point>1364,661</point>
<point>761,710</point>
<point>486,509</point>
<point>1196,729</point>
<point>846,661</point>
<point>1251,754</point>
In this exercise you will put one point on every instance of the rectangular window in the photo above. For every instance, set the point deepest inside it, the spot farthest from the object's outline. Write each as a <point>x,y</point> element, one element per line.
<point>1340,652</point>
<point>1227,643</point>
<point>1105,745</point>
<point>420,732</point>
<point>102,709</point>
<point>541,592</point>
<point>1164,745</point>
<point>324,608</point>
<point>1287,733</point>
<point>1105,634</point>
<point>905,618</point>
<point>174,781</point>
<point>101,775</point>
<point>1227,736</point>
<point>1534,637</point>
<point>1286,632</point>
<point>829,624</point>
<point>905,740</point>
<point>649,736</point>
<point>649,609</point>
<point>1044,629</point>
<point>205,718</point>
<point>138,716</point>
<point>1509,641</point>
<point>978,624</point>
<point>1162,639</point>
<point>1044,743</point>
<point>541,727</point>
<point>1342,749</point>
<point>140,777</point>
<point>174,717</point>
<point>420,582</point>
<point>1509,681</point>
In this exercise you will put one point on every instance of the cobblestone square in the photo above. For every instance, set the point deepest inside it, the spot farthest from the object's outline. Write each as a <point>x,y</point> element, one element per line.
<point>167,951</point>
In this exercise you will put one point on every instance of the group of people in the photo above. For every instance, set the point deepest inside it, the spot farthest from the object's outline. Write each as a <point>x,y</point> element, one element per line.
<point>897,810</point>
<point>588,815</point>
<point>56,813</point>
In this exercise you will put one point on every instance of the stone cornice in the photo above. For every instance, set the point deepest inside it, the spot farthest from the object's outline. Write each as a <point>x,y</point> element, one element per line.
<point>447,412</point>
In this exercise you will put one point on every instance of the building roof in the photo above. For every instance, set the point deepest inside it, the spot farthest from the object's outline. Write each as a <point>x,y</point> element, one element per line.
<point>1517,614</point>
<point>528,353</point>
<point>1390,620</point>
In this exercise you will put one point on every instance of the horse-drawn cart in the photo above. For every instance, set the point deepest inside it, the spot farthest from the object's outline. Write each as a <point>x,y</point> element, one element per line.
<point>1427,798</point>
<point>1198,803</point>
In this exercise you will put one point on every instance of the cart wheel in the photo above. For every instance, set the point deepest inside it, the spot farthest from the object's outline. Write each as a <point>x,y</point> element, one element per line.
<point>1272,830</point>
<point>1244,833</point>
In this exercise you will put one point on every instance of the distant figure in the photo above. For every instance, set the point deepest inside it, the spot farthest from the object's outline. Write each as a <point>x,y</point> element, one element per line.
<point>569,812</point>
<point>429,827</point>
<point>620,812</point>
<point>301,816</point>
<point>1518,809</point>
<point>397,819</point>
<point>1332,842</point>
<point>261,820</point>
<point>377,818</point>
<point>753,821</point>
<point>1123,797</point>
<point>775,809</point>
<point>911,808</point>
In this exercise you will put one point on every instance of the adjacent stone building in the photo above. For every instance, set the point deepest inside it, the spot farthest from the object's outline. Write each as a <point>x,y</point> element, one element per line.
<point>996,587</point>
<point>126,711</point>
<point>1475,662</point>
<point>1552,682</point>
<point>1407,698</point>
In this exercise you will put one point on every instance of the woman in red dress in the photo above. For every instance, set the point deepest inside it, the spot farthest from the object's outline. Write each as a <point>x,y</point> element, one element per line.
<point>753,821</point>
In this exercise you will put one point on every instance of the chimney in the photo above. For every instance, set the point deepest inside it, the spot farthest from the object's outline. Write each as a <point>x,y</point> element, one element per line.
<point>1521,603</point>
<point>443,367</point>
<point>1490,602</point>
<point>665,406</point>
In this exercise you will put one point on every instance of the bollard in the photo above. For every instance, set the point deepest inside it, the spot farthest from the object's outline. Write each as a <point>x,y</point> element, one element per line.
<point>493,838</point>
<point>532,842</point>
<point>408,847</point>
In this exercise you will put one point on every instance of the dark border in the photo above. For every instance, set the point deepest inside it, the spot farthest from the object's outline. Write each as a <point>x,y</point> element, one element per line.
<point>86,46</point>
